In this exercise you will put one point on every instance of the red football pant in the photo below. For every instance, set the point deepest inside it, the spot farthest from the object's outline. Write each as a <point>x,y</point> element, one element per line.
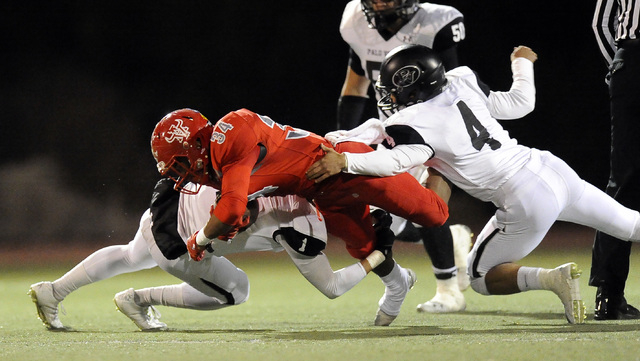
<point>344,201</point>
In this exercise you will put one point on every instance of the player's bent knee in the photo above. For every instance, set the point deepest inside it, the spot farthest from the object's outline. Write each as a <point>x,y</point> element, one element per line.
<point>242,290</point>
<point>242,299</point>
<point>299,242</point>
<point>478,284</point>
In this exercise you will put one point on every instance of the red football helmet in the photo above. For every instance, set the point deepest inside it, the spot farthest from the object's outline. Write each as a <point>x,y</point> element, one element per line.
<point>180,146</point>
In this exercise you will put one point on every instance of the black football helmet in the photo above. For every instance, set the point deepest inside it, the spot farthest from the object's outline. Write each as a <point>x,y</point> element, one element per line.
<point>409,74</point>
<point>404,9</point>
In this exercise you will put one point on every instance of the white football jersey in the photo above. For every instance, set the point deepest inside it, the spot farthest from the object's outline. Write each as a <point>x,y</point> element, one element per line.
<point>274,213</point>
<point>422,29</point>
<point>470,147</point>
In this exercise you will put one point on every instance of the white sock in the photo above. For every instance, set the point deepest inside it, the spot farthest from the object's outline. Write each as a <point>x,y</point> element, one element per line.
<point>395,284</point>
<point>71,281</point>
<point>181,296</point>
<point>394,279</point>
<point>529,278</point>
<point>163,295</point>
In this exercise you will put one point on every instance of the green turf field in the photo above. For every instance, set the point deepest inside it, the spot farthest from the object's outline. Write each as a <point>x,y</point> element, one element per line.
<point>287,319</point>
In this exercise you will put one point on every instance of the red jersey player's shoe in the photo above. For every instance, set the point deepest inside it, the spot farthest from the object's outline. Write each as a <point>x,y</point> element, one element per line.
<point>392,299</point>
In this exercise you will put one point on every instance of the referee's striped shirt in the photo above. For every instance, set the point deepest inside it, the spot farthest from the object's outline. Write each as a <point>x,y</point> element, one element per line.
<point>615,20</point>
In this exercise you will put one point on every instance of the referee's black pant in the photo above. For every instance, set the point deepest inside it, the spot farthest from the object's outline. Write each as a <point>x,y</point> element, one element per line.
<point>610,256</point>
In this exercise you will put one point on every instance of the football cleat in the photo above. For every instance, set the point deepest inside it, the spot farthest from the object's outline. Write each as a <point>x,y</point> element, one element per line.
<point>146,318</point>
<point>444,302</point>
<point>390,303</point>
<point>564,282</point>
<point>382,319</point>
<point>462,236</point>
<point>47,305</point>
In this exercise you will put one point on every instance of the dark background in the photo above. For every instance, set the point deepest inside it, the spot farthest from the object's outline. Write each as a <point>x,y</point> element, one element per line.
<point>84,83</point>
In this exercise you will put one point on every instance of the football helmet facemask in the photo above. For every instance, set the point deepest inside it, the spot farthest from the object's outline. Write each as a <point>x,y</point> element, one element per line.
<point>180,146</point>
<point>409,74</point>
<point>379,20</point>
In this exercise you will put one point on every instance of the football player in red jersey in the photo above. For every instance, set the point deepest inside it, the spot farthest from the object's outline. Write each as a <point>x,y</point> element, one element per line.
<point>247,155</point>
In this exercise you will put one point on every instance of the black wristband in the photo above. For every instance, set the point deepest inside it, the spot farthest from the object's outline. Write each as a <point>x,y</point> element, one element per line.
<point>350,110</point>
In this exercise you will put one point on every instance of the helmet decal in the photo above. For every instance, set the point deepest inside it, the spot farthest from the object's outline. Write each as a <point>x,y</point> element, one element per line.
<point>162,167</point>
<point>177,132</point>
<point>406,76</point>
<point>409,74</point>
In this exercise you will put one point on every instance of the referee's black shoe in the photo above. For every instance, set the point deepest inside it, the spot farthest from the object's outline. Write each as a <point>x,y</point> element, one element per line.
<point>613,307</point>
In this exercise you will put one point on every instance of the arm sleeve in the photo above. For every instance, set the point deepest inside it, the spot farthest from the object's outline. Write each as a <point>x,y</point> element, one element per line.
<point>387,162</point>
<point>520,99</point>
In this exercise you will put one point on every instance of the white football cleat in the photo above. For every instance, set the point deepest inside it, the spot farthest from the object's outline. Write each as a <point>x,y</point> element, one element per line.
<point>564,282</point>
<point>146,318</point>
<point>391,303</point>
<point>47,305</point>
<point>461,246</point>
<point>444,302</point>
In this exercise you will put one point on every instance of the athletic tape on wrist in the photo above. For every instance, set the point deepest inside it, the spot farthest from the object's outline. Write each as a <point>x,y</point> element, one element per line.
<point>375,259</point>
<point>201,238</point>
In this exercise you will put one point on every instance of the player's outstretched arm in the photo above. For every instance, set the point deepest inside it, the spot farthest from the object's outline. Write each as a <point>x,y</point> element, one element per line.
<point>524,52</point>
<point>521,98</point>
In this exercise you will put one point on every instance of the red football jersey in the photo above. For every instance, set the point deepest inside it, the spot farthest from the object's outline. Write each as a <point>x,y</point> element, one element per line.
<point>254,156</point>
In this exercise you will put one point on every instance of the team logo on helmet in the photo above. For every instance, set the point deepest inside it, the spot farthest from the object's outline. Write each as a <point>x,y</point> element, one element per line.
<point>406,76</point>
<point>162,167</point>
<point>177,132</point>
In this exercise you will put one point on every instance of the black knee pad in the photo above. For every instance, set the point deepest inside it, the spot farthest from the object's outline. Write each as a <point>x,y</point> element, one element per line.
<point>300,242</point>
